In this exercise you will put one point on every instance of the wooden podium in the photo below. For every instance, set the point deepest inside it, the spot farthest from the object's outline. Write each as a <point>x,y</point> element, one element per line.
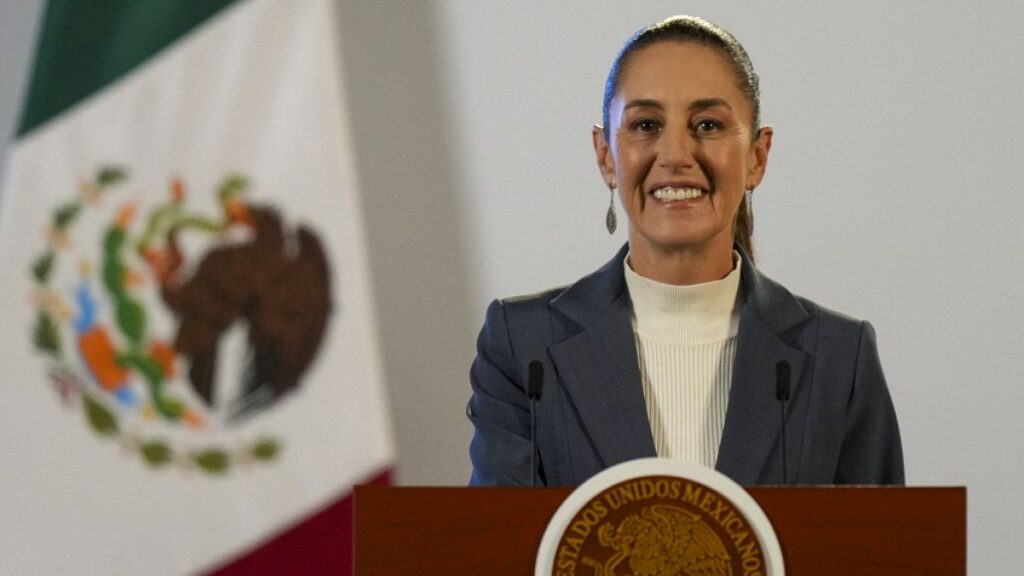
<point>832,531</point>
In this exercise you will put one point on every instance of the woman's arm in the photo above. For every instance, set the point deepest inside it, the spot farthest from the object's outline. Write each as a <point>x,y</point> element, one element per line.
<point>872,452</point>
<point>499,409</point>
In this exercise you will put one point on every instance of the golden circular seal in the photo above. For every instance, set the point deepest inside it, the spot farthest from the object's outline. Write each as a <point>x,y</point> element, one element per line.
<point>659,517</point>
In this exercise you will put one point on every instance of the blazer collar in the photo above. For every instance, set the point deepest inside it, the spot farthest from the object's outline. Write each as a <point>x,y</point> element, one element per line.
<point>595,356</point>
<point>584,301</point>
<point>752,419</point>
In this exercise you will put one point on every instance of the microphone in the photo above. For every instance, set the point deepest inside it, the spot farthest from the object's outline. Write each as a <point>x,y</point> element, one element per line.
<point>533,388</point>
<point>782,373</point>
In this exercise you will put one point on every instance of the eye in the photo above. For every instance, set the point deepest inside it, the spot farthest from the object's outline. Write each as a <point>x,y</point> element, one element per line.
<point>707,126</point>
<point>646,126</point>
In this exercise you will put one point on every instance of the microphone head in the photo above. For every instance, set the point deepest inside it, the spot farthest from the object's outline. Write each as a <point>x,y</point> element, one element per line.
<point>782,374</point>
<point>536,380</point>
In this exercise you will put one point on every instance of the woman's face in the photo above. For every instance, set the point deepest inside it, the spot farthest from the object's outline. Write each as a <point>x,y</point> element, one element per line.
<point>681,150</point>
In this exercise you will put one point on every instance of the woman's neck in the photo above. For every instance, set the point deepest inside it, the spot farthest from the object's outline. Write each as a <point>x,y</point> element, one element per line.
<point>681,267</point>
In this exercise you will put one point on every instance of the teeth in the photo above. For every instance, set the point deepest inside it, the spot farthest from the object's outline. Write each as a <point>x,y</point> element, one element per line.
<point>669,194</point>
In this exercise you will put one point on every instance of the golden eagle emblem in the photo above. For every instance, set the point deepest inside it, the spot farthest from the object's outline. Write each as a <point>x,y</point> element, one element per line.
<point>664,540</point>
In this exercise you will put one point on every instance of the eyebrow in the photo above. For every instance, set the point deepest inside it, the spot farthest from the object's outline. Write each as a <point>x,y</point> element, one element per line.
<point>705,103</point>
<point>643,103</point>
<point>702,104</point>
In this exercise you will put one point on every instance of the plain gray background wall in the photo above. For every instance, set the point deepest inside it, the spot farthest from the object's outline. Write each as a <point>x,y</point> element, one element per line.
<point>891,195</point>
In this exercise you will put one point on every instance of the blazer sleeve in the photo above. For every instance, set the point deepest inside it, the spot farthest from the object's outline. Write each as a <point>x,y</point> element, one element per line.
<point>499,409</point>
<point>871,452</point>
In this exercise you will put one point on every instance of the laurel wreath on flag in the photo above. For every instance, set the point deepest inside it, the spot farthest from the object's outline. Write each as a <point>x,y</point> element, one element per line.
<point>120,374</point>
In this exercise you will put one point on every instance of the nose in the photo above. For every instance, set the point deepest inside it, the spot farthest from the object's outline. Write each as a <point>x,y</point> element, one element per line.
<point>676,149</point>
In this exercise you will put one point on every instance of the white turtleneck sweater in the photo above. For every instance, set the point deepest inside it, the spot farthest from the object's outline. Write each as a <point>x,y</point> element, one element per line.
<point>686,343</point>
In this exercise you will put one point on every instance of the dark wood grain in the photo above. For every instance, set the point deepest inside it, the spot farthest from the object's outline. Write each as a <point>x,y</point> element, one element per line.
<point>840,531</point>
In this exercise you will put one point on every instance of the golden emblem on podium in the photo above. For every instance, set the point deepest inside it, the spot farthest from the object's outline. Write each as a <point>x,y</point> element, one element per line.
<point>663,540</point>
<point>657,517</point>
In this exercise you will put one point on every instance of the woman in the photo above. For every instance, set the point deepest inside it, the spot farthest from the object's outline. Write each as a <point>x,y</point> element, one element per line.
<point>679,347</point>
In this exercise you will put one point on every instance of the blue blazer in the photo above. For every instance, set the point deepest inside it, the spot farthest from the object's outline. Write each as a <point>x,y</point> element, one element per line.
<point>840,426</point>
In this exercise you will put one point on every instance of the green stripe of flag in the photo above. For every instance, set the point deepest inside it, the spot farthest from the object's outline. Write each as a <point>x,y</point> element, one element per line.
<point>85,45</point>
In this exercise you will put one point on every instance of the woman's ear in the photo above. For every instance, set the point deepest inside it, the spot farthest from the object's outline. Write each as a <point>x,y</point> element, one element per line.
<point>602,151</point>
<point>759,150</point>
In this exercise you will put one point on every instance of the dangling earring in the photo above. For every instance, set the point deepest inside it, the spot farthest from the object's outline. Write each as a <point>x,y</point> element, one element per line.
<point>610,221</point>
<point>748,200</point>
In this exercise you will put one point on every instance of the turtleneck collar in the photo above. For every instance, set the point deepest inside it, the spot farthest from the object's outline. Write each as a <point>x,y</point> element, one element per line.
<point>685,314</point>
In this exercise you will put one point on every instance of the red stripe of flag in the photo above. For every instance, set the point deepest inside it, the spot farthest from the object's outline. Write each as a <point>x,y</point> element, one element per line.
<point>320,544</point>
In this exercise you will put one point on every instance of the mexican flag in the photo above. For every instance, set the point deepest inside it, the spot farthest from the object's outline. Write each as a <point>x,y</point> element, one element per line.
<point>190,368</point>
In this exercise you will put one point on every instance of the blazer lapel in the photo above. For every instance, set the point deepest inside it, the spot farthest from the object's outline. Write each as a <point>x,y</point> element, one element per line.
<point>597,365</point>
<point>752,420</point>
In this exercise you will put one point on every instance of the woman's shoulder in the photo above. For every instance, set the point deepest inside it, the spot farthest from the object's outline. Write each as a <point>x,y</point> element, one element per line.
<point>779,304</point>
<point>523,308</point>
<point>595,291</point>
<point>804,322</point>
<point>829,315</point>
<point>832,319</point>
<point>533,299</point>
<point>834,332</point>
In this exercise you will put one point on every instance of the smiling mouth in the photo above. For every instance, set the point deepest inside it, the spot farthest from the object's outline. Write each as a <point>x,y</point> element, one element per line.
<point>670,194</point>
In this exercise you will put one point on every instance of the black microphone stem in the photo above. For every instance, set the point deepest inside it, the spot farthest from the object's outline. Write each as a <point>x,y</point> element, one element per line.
<point>533,390</point>
<point>782,412</point>
<point>533,443</point>
<point>782,373</point>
